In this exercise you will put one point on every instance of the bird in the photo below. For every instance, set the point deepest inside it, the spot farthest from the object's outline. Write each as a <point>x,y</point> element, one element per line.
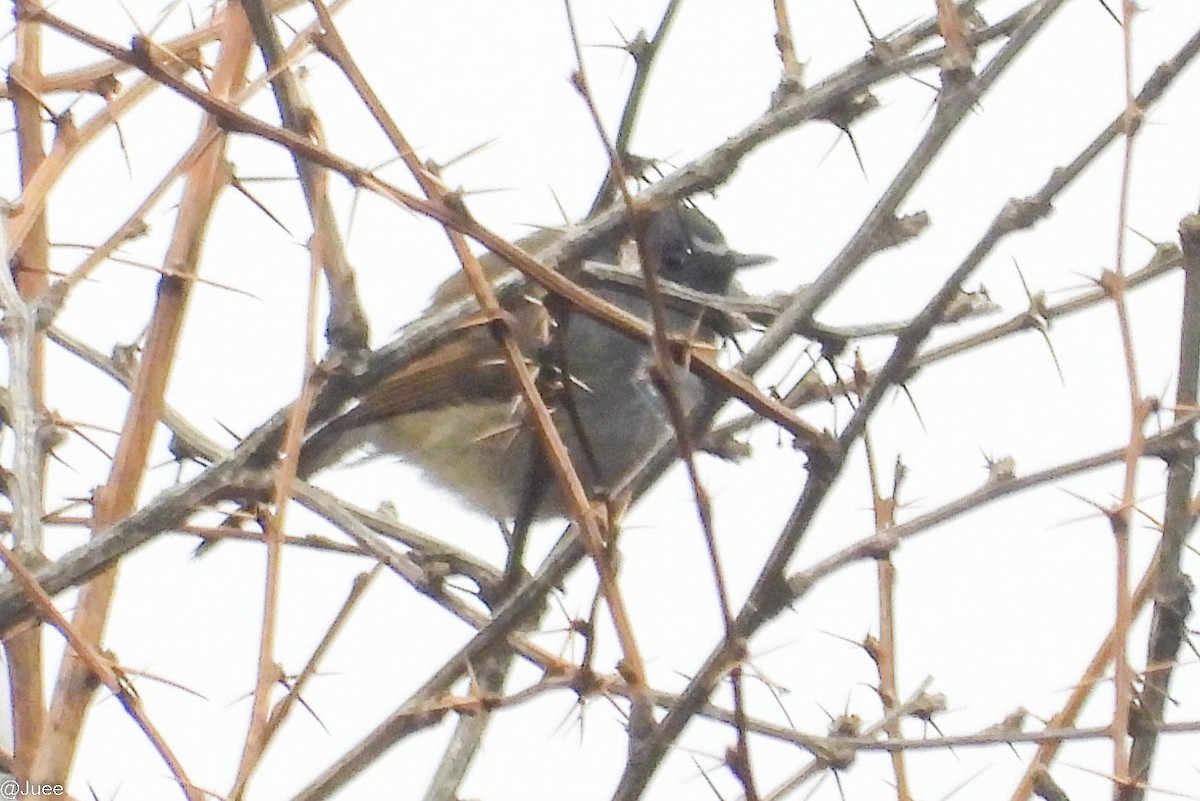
<point>455,412</point>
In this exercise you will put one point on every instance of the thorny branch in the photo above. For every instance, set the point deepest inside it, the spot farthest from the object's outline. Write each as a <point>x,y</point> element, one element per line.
<point>423,565</point>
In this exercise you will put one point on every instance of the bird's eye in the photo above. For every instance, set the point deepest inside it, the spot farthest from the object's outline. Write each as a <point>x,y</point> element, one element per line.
<point>674,259</point>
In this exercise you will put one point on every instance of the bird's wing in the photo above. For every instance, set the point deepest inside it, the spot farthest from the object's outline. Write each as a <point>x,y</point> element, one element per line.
<point>467,368</point>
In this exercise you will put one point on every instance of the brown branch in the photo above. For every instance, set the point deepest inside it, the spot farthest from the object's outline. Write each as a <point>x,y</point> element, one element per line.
<point>793,68</point>
<point>101,77</point>
<point>71,141</point>
<point>118,497</point>
<point>97,667</point>
<point>285,475</point>
<point>1140,410</point>
<point>883,651</point>
<point>1065,719</point>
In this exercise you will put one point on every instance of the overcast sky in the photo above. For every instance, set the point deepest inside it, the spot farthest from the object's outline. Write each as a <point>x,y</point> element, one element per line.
<point>1003,608</point>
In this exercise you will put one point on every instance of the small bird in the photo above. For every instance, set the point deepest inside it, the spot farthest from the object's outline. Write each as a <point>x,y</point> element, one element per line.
<point>455,412</point>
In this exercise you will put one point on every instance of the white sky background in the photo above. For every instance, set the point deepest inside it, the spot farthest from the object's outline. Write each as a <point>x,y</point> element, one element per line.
<point>1003,608</point>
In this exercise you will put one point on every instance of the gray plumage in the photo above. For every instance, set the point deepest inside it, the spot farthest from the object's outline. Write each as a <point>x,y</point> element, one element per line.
<point>455,412</point>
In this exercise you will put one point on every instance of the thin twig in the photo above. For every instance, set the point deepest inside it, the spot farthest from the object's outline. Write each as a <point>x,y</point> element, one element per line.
<point>766,598</point>
<point>883,651</point>
<point>99,666</point>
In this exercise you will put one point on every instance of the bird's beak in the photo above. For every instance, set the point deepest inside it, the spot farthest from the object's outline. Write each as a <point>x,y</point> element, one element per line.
<point>741,260</point>
<point>724,258</point>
